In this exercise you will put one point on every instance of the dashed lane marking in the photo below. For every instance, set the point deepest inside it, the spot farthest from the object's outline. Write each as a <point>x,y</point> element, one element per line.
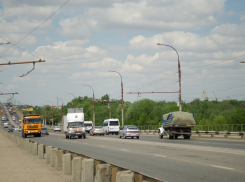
<point>102,146</point>
<point>159,155</point>
<point>125,150</point>
<point>222,167</point>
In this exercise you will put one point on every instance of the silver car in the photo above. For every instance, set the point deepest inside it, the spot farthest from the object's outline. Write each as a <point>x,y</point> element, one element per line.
<point>97,130</point>
<point>129,131</point>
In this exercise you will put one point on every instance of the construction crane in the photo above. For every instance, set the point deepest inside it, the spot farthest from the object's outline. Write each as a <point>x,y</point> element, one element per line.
<point>204,95</point>
<point>215,97</point>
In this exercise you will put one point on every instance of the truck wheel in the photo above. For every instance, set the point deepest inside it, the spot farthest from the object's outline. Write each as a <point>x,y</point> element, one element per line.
<point>187,137</point>
<point>138,137</point>
<point>176,136</point>
<point>84,136</point>
<point>160,136</point>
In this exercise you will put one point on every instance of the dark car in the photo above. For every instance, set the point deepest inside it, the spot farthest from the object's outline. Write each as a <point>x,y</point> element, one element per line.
<point>44,131</point>
<point>10,130</point>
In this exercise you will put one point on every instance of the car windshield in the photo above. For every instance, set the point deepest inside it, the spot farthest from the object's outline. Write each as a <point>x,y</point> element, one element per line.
<point>31,120</point>
<point>114,123</point>
<point>44,129</point>
<point>87,124</point>
<point>98,127</point>
<point>75,124</point>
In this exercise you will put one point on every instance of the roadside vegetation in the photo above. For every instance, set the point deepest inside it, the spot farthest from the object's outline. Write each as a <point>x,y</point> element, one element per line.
<point>149,112</point>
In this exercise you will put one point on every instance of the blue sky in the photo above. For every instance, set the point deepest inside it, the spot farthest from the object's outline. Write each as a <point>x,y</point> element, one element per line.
<point>85,39</point>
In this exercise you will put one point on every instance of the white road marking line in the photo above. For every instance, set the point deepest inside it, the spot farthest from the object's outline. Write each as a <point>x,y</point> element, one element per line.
<point>159,155</point>
<point>102,146</point>
<point>125,150</point>
<point>85,143</point>
<point>222,167</point>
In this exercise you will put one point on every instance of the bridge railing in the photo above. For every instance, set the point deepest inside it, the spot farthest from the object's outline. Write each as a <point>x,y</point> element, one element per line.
<point>220,127</point>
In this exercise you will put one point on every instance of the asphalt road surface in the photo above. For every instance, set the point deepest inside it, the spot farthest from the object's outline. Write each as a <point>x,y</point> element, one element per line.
<point>168,160</point>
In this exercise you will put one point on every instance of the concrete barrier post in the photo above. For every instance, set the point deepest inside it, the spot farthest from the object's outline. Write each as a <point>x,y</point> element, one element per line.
<point>125,176</point>
<point>48,154</point>
<point>226,136</point>
<point>103,173</point>
<point>212,135</point>
<point>76,169</point>
<point>242,137</point>
<point>66,159</point>
<point>30,148</point>
<point>40,151</point>
<point>138,177</point>
<point>53,155</point>
<point>34,149</point>
<point>58,160</point>
<point>26,141</point>
<point>114,171</point>
<point>88,170</point>
<point>96,162</point>
<point>18,141</point>
<point>22,143</point>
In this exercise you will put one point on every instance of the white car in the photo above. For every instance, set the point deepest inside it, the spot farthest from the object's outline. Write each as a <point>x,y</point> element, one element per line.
<point>13,118</point>
<point>16,128</point>
<point>56,128</point>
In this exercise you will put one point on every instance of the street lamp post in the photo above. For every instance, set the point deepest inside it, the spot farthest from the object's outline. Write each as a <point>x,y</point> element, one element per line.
<point>74,102</point>
<point>93,105</point>
<point>62,106</point>
<point>122,94</point>
<point>180,107</point>
<point>52,114</point>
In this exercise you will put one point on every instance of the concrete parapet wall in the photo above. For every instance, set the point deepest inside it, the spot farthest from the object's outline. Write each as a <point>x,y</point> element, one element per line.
<point>125,176</point>
<point>76,169</point>
<point>40,151</point>
<point>58,160</point>
<point>81,167</point>
<point>103,173</point>
<point>66,166</point>
<point>48,154</point>
<point>34,149</point>
<point>53,156</point>
<point>88,170</point>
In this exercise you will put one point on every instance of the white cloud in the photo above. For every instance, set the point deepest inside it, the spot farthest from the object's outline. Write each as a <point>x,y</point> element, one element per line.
<point>69,51</point>
<point>242,17</point>
<point>152,15</point>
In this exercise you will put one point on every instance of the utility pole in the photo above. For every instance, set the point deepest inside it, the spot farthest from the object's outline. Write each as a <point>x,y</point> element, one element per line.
<point>45,116</point>
<point>122,94</point>
<point>93,105</point>
<point>52,114</point>
<point>74,102</point>
<point>62,107</point>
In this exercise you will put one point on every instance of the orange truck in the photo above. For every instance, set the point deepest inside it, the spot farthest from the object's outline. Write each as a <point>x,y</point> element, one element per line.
<point>31,125</point>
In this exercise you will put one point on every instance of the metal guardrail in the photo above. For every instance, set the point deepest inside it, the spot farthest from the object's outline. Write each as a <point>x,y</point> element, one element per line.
<point>212,133</point>
<point>220,127</point>
<point>225,133</point>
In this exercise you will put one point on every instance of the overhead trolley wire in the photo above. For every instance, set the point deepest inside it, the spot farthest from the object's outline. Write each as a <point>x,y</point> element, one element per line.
<point>33,31</point>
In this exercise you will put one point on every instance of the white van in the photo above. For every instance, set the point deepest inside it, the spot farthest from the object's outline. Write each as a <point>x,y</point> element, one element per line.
<point>88,125</point>
<point>5,125</point>
<point>111,126</point>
